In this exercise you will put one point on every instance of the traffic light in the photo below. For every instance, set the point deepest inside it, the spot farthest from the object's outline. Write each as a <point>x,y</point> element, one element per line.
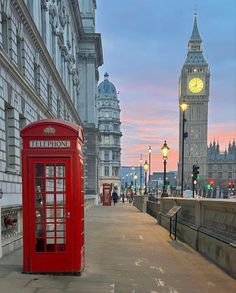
<point>231,185</point>
<point>195,172</point>
<point>211,182</point>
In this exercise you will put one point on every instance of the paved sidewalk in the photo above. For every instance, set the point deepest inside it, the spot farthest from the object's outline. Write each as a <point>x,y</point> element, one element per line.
<point>126,252</point>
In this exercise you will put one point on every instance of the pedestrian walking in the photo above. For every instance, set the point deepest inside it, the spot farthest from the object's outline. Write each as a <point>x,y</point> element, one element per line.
<point>123,197</point>
<point>114,197</point>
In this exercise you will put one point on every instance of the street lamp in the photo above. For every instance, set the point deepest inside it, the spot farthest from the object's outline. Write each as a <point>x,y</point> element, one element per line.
<point>183,107</point>
<point>126,181</point>
<point>145,166</point>
<point>165,150</point>
<point>149,163</point>
<point>135,182</point>
<point>141,165</point>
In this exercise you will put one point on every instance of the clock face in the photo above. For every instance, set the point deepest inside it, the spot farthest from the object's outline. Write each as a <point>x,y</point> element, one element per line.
<point>196,85</point>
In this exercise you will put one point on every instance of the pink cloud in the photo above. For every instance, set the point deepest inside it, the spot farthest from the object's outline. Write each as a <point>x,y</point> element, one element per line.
<point>139,134</point>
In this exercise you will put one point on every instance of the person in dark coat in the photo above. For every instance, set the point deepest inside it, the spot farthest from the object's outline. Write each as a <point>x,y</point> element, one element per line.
<point>114,197</point>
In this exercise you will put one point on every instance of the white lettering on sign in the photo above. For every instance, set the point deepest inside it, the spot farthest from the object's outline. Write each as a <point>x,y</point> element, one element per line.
<point>50,144</point>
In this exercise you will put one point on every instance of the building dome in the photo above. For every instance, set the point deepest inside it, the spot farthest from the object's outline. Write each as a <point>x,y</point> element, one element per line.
<point>107,88</point>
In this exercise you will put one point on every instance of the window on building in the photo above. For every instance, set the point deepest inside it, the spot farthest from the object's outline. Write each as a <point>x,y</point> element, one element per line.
<point>36,77</point>
<point>116,140</point>
<point>19,52</point>
<point>106,127</point>
<point>49,90</point>
<point>115,127</point>
<point>58,108</point>
<point>230,175</point>
<point>115,156</point>
<point>5,32</point>
<point>53,40</point>
<point>106,171</point>
<point>10,137</point>
<point>22,123</point>
<point>106,155</point>
<point>115,171</point>
<point>106,139</point>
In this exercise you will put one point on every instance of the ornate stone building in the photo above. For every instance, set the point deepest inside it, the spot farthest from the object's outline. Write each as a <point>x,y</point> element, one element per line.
<point>110,134</point>
<point>49,59</point>
<point>221,166</point>
<point>194,89</point>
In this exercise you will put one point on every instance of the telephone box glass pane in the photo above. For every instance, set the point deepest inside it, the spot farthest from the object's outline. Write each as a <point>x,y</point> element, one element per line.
<point>50,215</point>
<point>60,229</point>
<point>60,185</point>
<point>39,170</point>
<point>49,199</point>
<point>60,171</point>
<point>60,214</point>
<point>49,185</point>
<point>60,240</point>
<point>39,216</point>
<point>60,200</point>
<point>39,185</point>
<point>40,237</point>
<point>49,170</point>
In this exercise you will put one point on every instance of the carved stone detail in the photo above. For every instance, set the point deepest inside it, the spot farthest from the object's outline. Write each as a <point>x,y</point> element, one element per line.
<point>53,14</point>
<point>62,14</point>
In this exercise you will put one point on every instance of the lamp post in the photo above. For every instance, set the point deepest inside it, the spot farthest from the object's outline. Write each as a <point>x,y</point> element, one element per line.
<point>165,150</point>
<point>149,164</point>
<point>183,107</point>
<point>145,166</point>
<point>141,164</point>
<point>135,182</point>
<point>126,181</point>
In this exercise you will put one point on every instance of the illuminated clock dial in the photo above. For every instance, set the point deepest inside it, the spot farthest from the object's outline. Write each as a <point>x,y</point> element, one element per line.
<point>196,85</point>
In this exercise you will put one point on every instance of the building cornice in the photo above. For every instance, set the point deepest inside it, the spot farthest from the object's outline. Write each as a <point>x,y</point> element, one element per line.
<point>39,44</point>
<point>96,39</point>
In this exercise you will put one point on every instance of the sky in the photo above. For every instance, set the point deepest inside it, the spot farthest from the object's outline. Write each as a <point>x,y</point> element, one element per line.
<point>144,48</point>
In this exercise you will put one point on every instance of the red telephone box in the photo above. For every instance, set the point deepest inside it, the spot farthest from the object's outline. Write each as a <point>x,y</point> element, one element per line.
<point>106,194</point>
<point>53,197</point>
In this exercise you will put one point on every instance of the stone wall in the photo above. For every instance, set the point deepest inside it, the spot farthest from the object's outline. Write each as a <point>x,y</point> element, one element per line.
<point>140,202</point>
<point>209,226</point>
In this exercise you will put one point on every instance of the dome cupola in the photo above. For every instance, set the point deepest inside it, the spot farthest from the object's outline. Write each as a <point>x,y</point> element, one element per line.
<point>107,88</point>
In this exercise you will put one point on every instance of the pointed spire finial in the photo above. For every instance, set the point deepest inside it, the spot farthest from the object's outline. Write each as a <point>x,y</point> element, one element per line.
<point>106,75</point>
<point>195,10</point>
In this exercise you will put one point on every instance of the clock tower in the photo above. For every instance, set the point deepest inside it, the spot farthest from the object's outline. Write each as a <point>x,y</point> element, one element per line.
<point>194,90</point>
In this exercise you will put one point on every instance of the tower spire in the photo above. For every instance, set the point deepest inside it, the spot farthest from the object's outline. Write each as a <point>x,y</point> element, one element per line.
<point>195,56</point>
<point>195,37</point>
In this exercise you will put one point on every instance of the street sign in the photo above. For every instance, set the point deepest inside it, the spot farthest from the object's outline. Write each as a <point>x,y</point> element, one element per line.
<point>173,211</point>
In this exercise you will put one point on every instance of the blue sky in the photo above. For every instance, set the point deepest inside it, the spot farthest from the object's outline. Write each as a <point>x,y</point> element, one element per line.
<point>144,48</point>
